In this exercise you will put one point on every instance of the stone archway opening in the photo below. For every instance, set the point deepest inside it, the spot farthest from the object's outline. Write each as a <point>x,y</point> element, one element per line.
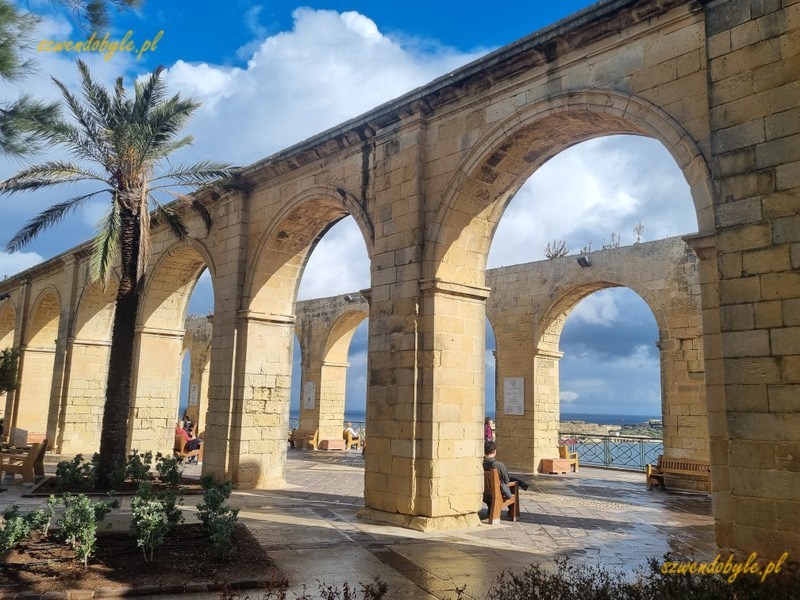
<point>257,451</point>
<point>457,246</point>
<point>339,264</point>
<point>37,365</point>
<point>161,332</point>
<point>8,326</point>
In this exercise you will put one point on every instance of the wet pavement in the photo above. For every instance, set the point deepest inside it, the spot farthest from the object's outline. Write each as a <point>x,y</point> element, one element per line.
<point>310,528</point>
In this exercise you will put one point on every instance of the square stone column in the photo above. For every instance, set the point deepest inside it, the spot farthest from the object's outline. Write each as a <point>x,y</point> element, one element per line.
<point>425,408</point>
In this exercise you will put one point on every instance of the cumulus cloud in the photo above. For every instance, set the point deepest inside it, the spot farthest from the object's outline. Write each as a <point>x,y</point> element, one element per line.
<point>600,186</point>
<point>330,67</point>
<point>11,264</point>
<point>567,396</point>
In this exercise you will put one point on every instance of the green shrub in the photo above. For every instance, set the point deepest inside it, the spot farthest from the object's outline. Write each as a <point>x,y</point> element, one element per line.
<point>137,469</point>
<point>72,472</point>
<point>219,521</point>
<point>170,470</point>
<point>154,516</point>
<point>79,523</point>
<point>15,528</point>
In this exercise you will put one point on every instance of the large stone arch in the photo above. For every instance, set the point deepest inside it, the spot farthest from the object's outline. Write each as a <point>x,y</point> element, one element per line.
<point>257,452</point>
<point>288,241</point>
<point>325,328</point>
<point>81,414</point>
<point>8,330</point>
<point>461,231</point>
<point>38,363</point>
<point>531,303</point>
<point>159,348</point>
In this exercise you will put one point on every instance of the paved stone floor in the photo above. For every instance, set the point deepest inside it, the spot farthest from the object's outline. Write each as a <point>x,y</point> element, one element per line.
<point>311,530</point>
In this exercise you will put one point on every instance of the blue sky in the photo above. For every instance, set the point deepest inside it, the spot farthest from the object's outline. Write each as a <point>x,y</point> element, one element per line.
<point>272,74</point>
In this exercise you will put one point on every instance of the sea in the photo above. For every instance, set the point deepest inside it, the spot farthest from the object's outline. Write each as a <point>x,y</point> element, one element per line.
<point>600,419</point>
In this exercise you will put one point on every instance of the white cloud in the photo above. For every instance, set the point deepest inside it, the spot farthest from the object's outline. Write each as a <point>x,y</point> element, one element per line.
<point>339,263</point>
<point>591,189</point>
<point>330,67</point>
<point>566,396</point>
<point>598,309</point>
<point>11,264</point>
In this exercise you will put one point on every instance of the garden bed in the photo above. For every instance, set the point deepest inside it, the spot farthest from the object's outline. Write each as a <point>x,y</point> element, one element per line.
<point>51,485</point>
<point>185,563</point>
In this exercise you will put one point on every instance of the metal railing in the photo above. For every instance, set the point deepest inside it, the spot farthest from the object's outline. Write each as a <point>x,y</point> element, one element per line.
<point>631,453</point>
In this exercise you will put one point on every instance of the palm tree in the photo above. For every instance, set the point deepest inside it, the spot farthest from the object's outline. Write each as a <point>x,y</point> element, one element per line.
<point>124,139</point>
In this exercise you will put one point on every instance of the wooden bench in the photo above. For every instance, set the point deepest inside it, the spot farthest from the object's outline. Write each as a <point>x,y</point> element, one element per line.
<point>182,454</point>
<point>29,464</point>
<point>304,437</point>
<point>491,489</point>
<point>572,457</point>
<point>683,467</point>
<point>351,441</point>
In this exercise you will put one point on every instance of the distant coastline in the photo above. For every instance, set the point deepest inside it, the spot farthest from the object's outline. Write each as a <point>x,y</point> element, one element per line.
<point>597,418</point>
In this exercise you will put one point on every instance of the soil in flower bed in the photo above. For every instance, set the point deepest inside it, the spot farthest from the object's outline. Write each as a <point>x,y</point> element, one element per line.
<point>184,561</point>
<point>52,485</point>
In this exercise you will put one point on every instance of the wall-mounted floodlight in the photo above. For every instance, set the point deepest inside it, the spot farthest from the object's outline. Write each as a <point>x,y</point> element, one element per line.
<point>5,296</point>
<point>349,298</point>
<point>584,262</point>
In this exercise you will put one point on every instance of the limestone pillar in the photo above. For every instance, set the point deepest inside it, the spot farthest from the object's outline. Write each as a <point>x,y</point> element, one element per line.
<point>259,421</point>
<point>527,432</point>
<point>87,378</point>
<point>425,424</point>
<point>155,389</point>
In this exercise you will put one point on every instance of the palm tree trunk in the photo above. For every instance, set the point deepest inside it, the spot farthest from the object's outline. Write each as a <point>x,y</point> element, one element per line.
<point>114,435</point>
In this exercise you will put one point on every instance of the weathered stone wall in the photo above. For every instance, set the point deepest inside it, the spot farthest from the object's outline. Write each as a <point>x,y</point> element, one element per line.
<point>427,177</point>
<point>753,52</point>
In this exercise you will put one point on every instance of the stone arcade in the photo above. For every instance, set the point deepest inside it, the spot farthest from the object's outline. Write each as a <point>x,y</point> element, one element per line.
<point>427,177</point>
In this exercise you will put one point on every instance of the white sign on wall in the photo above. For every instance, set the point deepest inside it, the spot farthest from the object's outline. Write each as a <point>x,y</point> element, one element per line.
<point>193,395</point>
<point>309,392</point>
<point>514,395</point>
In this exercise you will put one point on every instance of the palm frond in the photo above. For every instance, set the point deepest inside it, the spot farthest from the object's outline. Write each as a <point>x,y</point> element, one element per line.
<point>46,218</point>
<point>46,175</point>
<point>172,219</point>
<point>106,245</point>
<point>200,173</point>
<point>95,131</point>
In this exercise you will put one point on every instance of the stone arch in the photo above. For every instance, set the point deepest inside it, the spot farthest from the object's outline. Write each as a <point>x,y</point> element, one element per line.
<point>8,329</point>
<point>160,338</point>
<point>43,322</point>
<point>682,390</point>
<point>459,237</point>
<point>171,283</point>
<point>333,376</point>
<point>38,363</point>
<point>95,314</point>
<point>547,331</point>
<point>288,241</point>
<point>8,324</point>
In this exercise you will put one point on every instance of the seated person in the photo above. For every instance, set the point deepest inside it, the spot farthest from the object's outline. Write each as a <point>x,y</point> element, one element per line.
<point>191,444</point>
<point>490,462</point>
<point>353,433</point>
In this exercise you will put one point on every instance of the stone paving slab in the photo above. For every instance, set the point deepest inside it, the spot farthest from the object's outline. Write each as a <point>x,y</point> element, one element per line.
<point>310,527</point>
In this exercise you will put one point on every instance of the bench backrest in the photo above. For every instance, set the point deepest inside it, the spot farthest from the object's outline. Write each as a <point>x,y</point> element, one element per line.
<point>491,483</point>
<point>685,466</point>
<point>302,434</point>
